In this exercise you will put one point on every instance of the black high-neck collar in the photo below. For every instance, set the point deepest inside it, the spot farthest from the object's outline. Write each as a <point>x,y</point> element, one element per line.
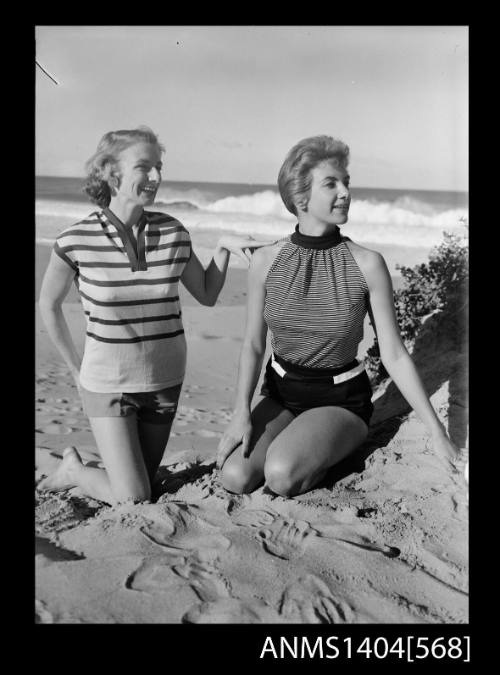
<point>325,241</point>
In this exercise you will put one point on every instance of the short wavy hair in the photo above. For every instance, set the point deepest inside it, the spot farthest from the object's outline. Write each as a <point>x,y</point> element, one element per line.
<point>294,178</point>
<point>103,163</point>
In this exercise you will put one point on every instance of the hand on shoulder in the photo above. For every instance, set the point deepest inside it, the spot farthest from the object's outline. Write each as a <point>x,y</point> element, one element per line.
<point>263,258</point>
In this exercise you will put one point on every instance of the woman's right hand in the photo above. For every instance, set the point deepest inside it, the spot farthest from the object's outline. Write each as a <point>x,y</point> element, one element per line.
<point>238,433</point>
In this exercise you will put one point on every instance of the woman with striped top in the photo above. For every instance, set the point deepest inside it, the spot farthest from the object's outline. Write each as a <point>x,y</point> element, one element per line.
<point>312,291</point>
<point>127,263</point>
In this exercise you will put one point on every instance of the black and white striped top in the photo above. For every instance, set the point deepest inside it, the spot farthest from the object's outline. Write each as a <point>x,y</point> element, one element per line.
<point>316,301</point>
<point>129,289</point>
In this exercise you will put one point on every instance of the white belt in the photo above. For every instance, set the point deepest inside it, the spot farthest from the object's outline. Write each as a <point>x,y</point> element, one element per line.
<point>337,379</point>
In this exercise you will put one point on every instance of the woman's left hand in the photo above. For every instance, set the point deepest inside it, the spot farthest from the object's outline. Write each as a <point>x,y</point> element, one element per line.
<point>242,245</point>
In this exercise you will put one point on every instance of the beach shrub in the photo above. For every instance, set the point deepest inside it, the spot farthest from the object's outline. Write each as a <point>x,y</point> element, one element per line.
<point>440,285</point>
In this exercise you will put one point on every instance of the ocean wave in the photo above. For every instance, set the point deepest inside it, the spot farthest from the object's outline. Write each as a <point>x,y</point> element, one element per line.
<point>364,211</point>
<point>405,211</point>
<point>63,209</point>
<point>196,198</point>
<point>178,205</point>
<point>266,203</point>
<point>406,221</point>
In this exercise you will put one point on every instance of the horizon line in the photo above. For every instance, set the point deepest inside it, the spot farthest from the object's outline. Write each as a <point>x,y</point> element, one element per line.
<point>272,185</point>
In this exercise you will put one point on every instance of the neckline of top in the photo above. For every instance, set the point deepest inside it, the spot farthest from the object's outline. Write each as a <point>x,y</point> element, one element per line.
<point>120,225</point>
<point>134,244</point>
<point>323,242</point>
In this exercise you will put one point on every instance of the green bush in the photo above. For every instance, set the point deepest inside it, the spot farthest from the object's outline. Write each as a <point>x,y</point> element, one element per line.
<point>440,285</point>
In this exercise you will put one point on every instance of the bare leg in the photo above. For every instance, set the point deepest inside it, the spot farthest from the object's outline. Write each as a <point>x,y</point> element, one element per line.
<point>125,476</point>
<point>243,474</point>
<point>154,439</point>
<point>299,457</point>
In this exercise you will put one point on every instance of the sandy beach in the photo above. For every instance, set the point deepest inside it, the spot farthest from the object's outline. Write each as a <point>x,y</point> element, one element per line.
<point>384,539</point>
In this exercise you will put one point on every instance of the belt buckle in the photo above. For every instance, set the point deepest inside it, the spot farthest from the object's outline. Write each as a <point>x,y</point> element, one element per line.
<point>276,366</point>
<point>348,375</point>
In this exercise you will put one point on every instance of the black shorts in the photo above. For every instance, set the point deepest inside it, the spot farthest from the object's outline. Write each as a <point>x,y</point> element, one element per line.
<point>305,388</point>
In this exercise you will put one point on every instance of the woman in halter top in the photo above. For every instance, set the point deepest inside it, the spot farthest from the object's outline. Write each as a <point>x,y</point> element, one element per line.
<point>312,291</point>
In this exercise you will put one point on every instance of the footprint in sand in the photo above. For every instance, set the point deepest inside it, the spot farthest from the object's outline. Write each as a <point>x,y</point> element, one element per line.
<point>55,428</point>
<point>286,538</point>
<point>281,536</point>
<point>209,542</point>
<point>255,518</point>
<point>158,536</point>
<point>203,578</point>
<point>232,610</point>
<point>209,486</point>
<point>309,600</point>
<point>174,518</point>
<point>206,433</point>
<point>207,545</point>
<point>153,576</point>
<point>56,512</point>
<point>159,532</point>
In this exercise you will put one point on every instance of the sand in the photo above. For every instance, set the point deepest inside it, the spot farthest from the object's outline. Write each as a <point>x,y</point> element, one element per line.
<point>384,539</point>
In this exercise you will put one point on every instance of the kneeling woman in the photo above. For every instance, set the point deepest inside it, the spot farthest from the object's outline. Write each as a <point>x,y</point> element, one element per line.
<point>127,263</point>
<point>312,290</point>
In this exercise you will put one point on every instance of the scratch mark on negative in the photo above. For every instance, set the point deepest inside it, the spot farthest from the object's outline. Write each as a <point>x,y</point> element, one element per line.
<point>46,73</point>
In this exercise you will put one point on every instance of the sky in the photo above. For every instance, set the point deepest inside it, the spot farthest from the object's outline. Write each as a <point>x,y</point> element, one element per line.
<point>228,102</point>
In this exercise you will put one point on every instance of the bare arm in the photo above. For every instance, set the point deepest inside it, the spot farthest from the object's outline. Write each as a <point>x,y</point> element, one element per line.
<point>252,353</point>
<point>206,284</point>
<point>55,287</point>
<point>395,356</point>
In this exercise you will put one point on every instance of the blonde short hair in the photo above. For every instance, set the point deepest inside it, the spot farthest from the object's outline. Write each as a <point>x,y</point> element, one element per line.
<point>103,163</point>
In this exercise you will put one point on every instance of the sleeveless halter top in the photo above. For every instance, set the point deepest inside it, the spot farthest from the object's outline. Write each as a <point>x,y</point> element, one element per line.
<point>316,301</point>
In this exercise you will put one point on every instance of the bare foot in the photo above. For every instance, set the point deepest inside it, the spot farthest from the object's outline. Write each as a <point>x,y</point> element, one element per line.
<point>63,476</point>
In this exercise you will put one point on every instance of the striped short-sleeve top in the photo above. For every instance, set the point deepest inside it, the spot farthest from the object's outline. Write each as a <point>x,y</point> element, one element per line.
<point>316,301</point>
<point>129,290</point>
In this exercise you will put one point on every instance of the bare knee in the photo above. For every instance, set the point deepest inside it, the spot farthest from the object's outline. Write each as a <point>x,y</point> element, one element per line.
<point>235,479</point>
<point>280,480</point>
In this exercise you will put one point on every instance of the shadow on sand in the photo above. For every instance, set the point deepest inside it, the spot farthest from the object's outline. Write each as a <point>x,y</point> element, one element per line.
<point>440,356</point>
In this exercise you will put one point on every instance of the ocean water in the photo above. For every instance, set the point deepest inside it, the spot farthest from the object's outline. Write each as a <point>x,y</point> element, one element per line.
<point>385,217</point>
